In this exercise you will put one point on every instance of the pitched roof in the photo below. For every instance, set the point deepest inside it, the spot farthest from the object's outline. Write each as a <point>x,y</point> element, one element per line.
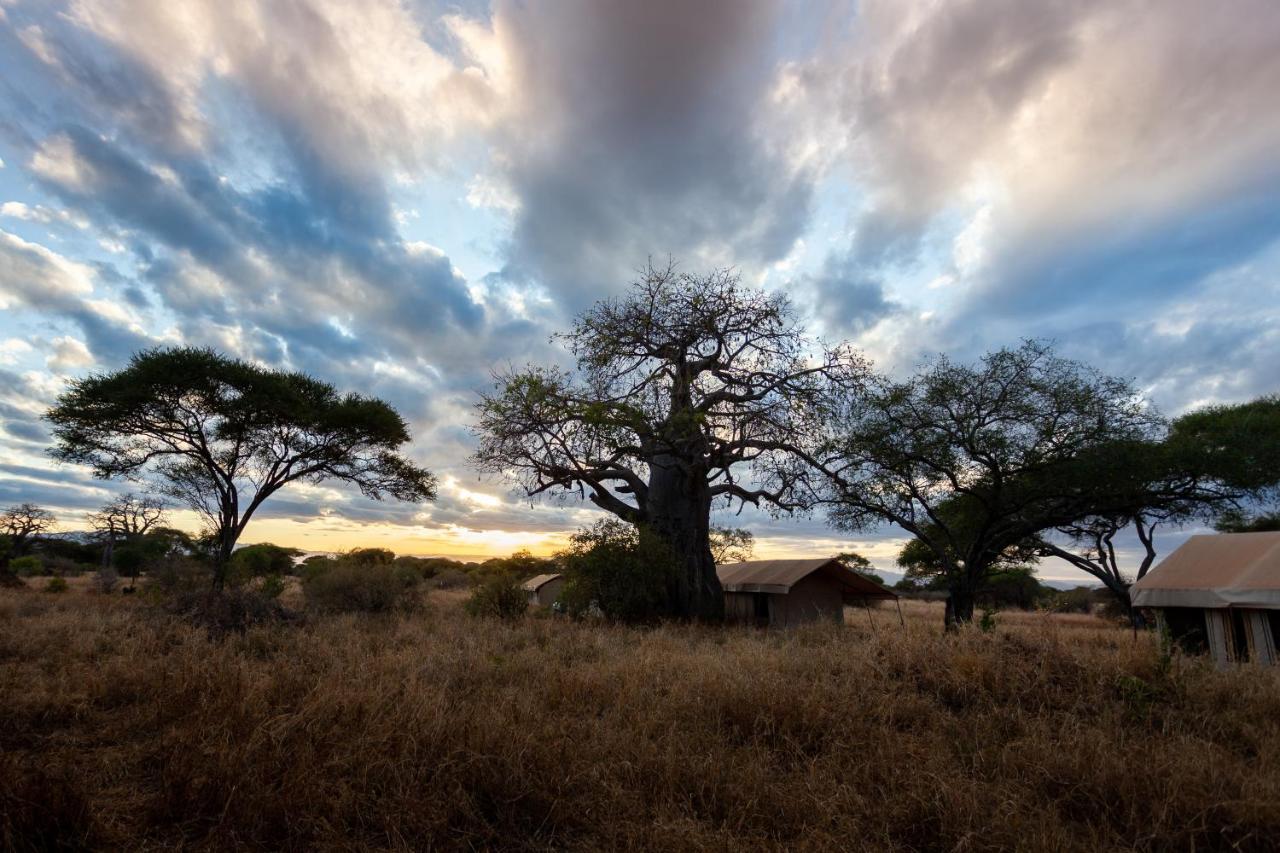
<point>537,582</point>
<point>778,576</point>
<point>1221,570</point>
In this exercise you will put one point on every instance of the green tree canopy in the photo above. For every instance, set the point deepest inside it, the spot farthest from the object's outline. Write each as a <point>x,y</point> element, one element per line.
<point>222,435</point>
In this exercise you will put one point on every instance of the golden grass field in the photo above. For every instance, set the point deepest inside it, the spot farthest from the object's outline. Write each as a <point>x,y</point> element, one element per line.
<point>124,728</point>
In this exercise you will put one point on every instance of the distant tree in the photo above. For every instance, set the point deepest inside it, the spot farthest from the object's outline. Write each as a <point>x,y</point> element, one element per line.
<point>860,565</point>
<point>125,520</point>
<point>262,560</point>
<point>1000,435</point>
<point>690,390</point>
<point>20,526</point>
<point>221,436</point>
<point>731,544</point>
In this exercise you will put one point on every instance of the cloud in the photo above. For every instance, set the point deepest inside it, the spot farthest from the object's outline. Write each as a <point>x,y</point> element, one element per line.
<point>638,129</point>
<point>35,276</point>
<point>1069,120</point>
<point>68,354</point>
<point>849,301</point>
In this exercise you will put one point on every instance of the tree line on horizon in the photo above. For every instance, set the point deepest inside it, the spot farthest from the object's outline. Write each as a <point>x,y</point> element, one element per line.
<point>692,393</point>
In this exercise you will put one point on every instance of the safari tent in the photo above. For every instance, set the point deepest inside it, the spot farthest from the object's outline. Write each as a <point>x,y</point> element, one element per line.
<point>790,592</point>
<point>543,590</point>
<point>1221,594</point>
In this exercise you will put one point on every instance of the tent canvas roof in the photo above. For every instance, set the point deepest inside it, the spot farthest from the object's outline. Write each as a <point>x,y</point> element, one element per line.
<point>537,582</point>
<point>778,576</point>
<point>1222,570</point>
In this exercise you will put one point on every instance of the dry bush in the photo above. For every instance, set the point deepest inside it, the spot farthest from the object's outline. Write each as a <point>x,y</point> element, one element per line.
<point>123,730</point>
<point>230,611</point>
<point>499,596</point>
<point>351,586</point>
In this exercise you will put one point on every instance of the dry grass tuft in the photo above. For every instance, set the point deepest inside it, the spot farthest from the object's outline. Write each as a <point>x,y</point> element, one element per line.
<point>123,727</point>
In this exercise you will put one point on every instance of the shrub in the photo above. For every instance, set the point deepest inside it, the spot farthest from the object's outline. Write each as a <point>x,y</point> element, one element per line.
<point>371,556</point>
<point>500,596</point>
<point>451,579</point>
<point>1077,600</point>
<point>314,565</point>
<point>30,566</point>
<point>260,561</point>
<point>105,579</point>
<point>349,587</point>
<point>231,611</point>
<point>180,575</point>
<point>272,586</point>
<point>613,568</point>
<point>56,585</point>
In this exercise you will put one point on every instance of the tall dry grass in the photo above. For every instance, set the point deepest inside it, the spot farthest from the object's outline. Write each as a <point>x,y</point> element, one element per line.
<point>124,728</point>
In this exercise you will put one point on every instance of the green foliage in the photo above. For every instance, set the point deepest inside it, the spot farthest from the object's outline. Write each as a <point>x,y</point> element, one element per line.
<point>371,556</point>
<point>499,596</point>
<point>260,561</point>
<point>859,565</point>
<point>179,575</point>
<point>987,623</point>
<point>612,568</point>
<point>29,566</point>
<point>314,565</point>
<point>1016,587</point>
<point>271,586</point>
<point>56,585</point>
<point>1077,600</point>
<point>451,578</point>
<point>347,585</point>
<point>1236,521</point>
<point>521,565</point>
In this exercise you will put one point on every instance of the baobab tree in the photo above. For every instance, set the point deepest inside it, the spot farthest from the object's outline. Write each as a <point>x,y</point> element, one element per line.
<point>125,519</point>
<point>19,527</point>
<point>222,436</point>
<point>689,391</point>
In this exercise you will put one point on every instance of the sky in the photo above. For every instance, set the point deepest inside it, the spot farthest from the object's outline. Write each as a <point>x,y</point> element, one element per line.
<point>403,197</point>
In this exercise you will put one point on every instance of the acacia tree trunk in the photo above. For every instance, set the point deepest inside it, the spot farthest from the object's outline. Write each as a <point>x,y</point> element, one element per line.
<point>226,544</point>
<point>679,517</point>
<point>963,594</point>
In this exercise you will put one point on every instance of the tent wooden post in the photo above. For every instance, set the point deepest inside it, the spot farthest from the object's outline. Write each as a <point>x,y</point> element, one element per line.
<point>867,608</point>
<point>901,622</point>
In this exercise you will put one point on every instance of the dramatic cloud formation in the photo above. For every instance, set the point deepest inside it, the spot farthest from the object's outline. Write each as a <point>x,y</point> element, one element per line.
<point>401,197</point>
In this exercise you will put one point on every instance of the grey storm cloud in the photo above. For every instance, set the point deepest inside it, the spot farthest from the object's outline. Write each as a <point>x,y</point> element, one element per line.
<point>850,300</point>
<point>641,132</point>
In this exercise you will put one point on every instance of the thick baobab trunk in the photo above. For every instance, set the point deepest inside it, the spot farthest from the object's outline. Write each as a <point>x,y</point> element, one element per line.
<point>679,518</point>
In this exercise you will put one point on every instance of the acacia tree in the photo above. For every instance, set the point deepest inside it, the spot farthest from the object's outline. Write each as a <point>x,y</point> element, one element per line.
<point>221,436</point>
<point>19,526</point>
<point>1238,447</point>
<point>974,460</point>
<point>688,391</point>
<point>1212,462</point>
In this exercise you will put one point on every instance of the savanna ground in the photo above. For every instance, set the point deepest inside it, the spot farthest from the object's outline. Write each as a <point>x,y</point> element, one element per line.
<point>123,727</point>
